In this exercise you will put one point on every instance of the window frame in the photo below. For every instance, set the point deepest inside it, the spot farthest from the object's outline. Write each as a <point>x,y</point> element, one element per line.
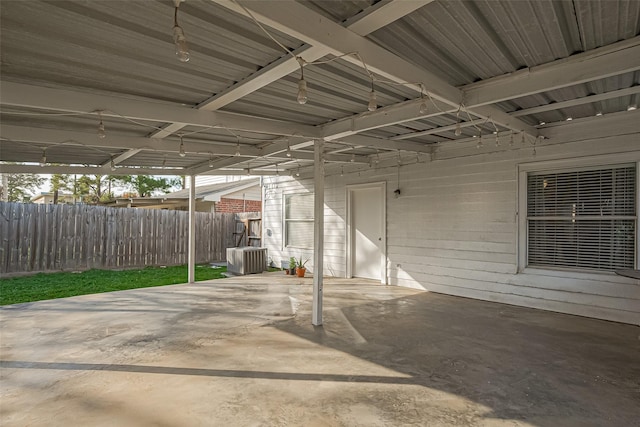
<point>568,165</point>
<point>286,221</point>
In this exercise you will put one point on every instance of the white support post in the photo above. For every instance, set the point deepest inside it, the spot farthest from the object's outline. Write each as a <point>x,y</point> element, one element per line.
<point>318,231</point>
<point>192,228</point>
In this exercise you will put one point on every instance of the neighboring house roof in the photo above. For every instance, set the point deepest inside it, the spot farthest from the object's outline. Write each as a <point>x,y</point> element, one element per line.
<point>207,193</point>
<point>46,194</point>
<point>214,192</point>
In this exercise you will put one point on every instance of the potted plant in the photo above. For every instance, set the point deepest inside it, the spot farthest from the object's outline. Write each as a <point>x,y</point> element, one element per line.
<point>300,267</point>
<point>292,265</point>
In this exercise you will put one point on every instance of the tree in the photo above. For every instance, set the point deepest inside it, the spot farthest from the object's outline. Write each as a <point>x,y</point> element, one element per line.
<point>21,186</point>
<point>145,185</point>
<point>60,182</point>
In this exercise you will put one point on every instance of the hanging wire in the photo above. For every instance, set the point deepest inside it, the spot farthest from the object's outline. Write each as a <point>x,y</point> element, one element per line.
<point>265,30</point>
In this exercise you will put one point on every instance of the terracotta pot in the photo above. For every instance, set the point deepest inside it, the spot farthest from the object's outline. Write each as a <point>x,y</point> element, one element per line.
<point>287,272</point>
<point>300,271</point>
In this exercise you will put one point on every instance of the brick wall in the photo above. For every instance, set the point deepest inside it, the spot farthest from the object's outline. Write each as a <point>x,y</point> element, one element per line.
<point>238,206</point>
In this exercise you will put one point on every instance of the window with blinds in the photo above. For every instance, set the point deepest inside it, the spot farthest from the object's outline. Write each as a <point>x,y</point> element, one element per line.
<point>298,221</point>
<point>582,219</point>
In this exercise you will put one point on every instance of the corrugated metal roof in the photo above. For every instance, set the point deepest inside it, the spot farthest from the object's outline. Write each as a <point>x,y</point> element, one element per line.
<point>338,11</point>
<point>467,41</point>
<point>127,47</point>
<point>335,90</point>
<point>121,47</point>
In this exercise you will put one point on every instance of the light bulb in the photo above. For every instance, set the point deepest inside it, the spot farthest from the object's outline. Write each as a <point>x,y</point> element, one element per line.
<point>298,172</point>
<point>182,50</point>
<point>210,161</point>
<point>182,153</point>
<point>423,107</point>
<point>373,104</point>
<point>534,151</point>
<point>302,91</point>
<point>458,130</point>
<point>342,171</point>
<point>353,158</point>
<point>101,133</point>
<point>479,145</point>
<point>497,139</point>
<point>237,153</point>
<point>248,171</point>
<point>43,159</point>
<point>112,165</point>
<point>288,153</point>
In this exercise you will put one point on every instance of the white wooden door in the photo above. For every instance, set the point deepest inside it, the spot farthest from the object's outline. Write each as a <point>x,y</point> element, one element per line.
<point>367,232</point>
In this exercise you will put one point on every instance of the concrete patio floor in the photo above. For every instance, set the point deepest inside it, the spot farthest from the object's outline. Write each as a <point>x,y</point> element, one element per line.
<point>242,352</point>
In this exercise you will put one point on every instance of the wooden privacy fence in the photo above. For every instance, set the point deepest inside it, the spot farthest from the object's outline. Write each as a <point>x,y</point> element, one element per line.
<point>35,237</point>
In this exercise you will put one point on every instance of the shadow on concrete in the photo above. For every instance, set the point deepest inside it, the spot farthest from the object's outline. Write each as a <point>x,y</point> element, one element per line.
<point>224,373</point>
<point>544,368</point>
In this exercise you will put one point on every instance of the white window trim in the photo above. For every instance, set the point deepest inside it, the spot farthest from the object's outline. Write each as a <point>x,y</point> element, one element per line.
<point>284,219</point>
<point>568,164</point>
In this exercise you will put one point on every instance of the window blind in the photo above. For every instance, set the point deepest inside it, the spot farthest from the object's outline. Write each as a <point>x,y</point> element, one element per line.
<point>299,220</point>
<point>583,218</point>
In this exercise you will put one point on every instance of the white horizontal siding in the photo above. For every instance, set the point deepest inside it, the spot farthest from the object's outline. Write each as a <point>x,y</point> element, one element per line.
<point>454,229</point>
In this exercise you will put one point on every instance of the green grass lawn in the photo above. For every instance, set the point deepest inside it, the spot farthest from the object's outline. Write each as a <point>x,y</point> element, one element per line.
<point>59,285</point>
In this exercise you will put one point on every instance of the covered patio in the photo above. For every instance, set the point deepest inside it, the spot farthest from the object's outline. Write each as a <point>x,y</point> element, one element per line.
<point>242,352</point>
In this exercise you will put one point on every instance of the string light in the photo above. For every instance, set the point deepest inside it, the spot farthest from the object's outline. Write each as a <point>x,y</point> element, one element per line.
<point>377,160</point>
<point>210,160</point>
<point>341,170</point>
<point>277,171</point>
<point>423,102</point>
<point>101,132</point>
<point>298,171</point>
<point>353,158</point>
<point>497,138</point>
<point>43,159</point>
<point>248,171</point>
<point>182,153</point>
<point>302,84</point>
<point>237,153</point>
<point>511,141</point>
<point>480,144</point>
<point>458,130</point>
<point>373,102</point>
<point>288,153</point>
<point>302,91</point>
<point>522,140</point>
<point>112,165</point>
<point>182,50</point>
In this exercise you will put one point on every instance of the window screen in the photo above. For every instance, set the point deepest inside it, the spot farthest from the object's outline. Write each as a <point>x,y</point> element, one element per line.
<point>582,219</point>
<point>298,227</point>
